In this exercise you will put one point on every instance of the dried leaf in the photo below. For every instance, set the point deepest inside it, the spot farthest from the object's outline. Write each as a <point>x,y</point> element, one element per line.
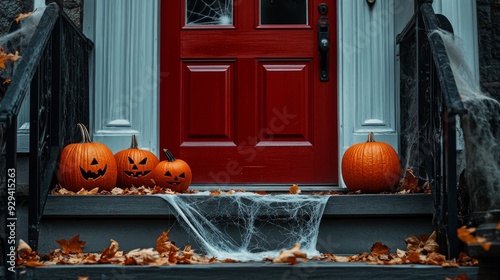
<point>498,226</point>
<point>23,247</point>
<point>7,57</point>
<point>6,81</point>
<point>461,276</point>
<point>379,249</point>
<point>21,16</point>
<point>290,256</point>
<point>294,189</point>
<point>74,245</point>
<point>423,243</point>
<point>111,251</point>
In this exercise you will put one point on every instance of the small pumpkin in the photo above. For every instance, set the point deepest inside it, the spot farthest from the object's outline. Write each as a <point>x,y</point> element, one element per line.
<point>135,166</point>
<point>86,165</point>
<point>172,173</point>
<point>370,167</point>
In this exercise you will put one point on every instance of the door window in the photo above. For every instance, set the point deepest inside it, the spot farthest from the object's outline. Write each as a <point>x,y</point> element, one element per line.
<point>283,12</point>
<point>209,12</point>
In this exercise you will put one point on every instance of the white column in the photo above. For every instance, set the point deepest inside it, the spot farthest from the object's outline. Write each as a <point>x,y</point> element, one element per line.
<point>367,71</point>
<point>125,97</point>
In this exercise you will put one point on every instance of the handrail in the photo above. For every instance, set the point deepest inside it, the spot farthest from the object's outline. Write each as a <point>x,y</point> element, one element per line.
<point>55,70</point>
<point>26,67</point>
<point>429,80</point>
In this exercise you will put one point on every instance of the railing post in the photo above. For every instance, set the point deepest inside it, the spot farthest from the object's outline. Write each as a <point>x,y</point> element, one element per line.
<point>450,181</point>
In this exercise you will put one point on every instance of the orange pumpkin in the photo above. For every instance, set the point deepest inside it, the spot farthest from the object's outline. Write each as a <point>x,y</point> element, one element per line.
<point>135,166</point>
<point>172,173</point>
<point>86,165</point>
<point>370,167</point>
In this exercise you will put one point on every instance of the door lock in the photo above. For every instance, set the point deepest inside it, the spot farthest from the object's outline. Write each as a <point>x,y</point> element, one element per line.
<point>323,42</point>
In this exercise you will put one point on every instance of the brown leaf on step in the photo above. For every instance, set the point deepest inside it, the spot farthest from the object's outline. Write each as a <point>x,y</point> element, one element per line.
<point>379,249</point>
<point>83,278</point>
<point>23,247</point>
<point>423,243</point>
<point>435,258</point>
<point>163,245</point>
<point>21,16</point>
<point>230,261</point>
<point>460,276</point>
<point>215,192</point>
<point>110,252</point>
<point>7,81</point>
<point>290,256</point>
<point>294,189</point>
<point>74,245</point>
<point>413,257</point>
<point>87,192</point>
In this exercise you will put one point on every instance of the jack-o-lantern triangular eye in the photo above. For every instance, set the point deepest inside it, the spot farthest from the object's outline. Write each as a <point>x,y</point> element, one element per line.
<point>168,174</point>
<point>130,160</point>
<point>182,175</point>
<point>144,161</point>
<point>94,162</point>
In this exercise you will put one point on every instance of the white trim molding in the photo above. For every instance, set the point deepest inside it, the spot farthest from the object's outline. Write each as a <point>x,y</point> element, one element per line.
<point>125,93</point>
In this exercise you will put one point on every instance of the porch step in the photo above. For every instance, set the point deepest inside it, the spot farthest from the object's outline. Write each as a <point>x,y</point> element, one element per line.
<point>309,270</point>
<point>351,224</point>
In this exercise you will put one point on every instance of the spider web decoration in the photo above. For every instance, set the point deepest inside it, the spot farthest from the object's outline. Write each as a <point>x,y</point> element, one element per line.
<point>249,227</point>
<point>481,130</point>
<point>209,12</point>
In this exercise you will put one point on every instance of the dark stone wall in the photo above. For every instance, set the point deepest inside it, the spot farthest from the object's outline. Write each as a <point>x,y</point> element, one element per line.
<point>74,9</point>
<point>488,21</point>
<point>10,10</point>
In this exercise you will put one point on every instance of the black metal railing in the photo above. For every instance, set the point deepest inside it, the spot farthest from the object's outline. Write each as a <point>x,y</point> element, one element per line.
<point>54,70</point>
<point>430,104</point>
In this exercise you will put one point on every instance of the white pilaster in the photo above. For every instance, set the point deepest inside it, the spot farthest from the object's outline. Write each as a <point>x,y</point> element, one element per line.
<point>125,34</point>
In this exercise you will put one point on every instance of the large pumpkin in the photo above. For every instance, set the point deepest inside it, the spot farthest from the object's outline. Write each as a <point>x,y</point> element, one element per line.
<point>86,165</point>
<point>172,173</point>
<point>370,167</point>
<point>135,166</point>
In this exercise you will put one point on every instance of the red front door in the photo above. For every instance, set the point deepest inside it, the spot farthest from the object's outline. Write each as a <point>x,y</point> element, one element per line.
<point>241,97</point>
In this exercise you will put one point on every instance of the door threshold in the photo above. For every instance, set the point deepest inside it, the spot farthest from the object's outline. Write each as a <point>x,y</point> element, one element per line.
<point>268,187</point>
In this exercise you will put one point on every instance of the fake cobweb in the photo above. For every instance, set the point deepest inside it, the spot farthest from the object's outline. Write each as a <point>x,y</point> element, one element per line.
<point>209,12</point>
<point>481,130</point>
<point>250,227</point>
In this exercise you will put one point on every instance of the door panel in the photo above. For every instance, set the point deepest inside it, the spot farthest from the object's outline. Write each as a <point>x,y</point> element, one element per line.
<point>285,96</point>
<point>208,119</point>
<point>242,101</point>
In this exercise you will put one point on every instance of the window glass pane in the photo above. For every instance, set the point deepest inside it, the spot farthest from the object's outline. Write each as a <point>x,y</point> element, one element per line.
<point>209,12</point>
<point>283,11</point>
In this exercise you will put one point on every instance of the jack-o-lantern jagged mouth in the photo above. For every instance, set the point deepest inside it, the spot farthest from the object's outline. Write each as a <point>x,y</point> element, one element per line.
<point>93,175</point>
<point>136,174</point>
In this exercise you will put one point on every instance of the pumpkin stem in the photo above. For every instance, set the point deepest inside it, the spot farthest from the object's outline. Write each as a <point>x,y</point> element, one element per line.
<point>370,137</point>
<point>134,144</point>
<point>84,132</point>
<point>169,155</point>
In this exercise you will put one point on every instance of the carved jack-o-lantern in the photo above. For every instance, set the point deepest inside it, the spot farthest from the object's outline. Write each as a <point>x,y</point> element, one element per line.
<point>86,165</point>
<point>172,173</point>
<point>135,166</point>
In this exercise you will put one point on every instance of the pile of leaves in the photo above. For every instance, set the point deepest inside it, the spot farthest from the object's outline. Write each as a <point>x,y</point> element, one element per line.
<point>420,250</point>
<point>410,184</point>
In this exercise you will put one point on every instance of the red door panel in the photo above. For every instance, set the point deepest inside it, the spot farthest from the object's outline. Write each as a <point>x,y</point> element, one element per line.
<point>243,102</point>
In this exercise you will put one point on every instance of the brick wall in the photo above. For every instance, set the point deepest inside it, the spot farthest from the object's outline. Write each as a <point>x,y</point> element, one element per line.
<point>488,17</point>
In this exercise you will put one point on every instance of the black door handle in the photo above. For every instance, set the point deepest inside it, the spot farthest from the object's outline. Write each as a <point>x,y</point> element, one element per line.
<point>323,42</point>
